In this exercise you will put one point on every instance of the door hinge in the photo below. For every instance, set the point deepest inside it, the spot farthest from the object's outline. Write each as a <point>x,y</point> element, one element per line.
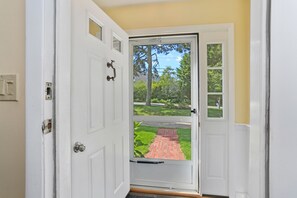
<point>47,126</point>
<point>48,91</point>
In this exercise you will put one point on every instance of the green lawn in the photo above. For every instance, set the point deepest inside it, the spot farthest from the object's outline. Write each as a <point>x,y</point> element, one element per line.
<point>215,113</point>
<point>184,138</point>
<point>143,110</point>
<point>143,137</point>
<point>160,111</point>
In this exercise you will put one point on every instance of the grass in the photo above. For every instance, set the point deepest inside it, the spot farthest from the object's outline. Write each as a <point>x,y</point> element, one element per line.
<point>160,111</point>
<point>143,137</point>
<point>184,138</point>
<point>215,113</point>
<point>143,110</point>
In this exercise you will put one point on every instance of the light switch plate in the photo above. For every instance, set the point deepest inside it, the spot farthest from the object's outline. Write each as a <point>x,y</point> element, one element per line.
<point>8,87</point>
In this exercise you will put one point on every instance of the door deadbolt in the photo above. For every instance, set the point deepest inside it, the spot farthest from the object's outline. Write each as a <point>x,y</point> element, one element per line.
<point>79,147</point>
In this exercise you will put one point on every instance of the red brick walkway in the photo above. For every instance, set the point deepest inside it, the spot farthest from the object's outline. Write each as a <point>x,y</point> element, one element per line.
<point>166,146</point>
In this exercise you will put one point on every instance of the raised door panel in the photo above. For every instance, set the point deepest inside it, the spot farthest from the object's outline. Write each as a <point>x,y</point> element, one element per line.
<point>96,93</point>
<point>97,174</point>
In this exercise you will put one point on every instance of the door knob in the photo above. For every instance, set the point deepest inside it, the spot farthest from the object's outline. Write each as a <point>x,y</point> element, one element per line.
<point>194,111</point>
<point>79,147</point>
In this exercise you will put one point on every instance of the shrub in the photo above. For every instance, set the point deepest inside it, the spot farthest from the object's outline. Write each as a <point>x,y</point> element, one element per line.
<point>139,91</point>
<point>155,100</point>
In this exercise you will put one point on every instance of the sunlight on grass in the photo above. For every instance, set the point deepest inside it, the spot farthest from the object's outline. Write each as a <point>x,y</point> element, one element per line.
<point>215,113</point>
<point>160,111</point>
<point>184,138</point>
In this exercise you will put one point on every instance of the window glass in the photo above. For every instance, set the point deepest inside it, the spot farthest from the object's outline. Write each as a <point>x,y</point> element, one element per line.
<point>215,106</point>
<point>215,70</point>
<point>117,44</point>
<point>95,29</point>
<point>214,55</point>
<point>215,80</point>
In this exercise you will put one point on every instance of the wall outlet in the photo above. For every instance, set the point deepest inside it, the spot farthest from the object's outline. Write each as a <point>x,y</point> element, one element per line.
<point>8,87</point>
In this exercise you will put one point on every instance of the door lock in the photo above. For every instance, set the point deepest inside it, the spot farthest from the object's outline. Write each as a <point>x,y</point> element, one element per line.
<point>79,147</point>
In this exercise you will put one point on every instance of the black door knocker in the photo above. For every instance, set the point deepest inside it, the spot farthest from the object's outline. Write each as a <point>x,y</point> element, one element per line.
<point>114,71</point>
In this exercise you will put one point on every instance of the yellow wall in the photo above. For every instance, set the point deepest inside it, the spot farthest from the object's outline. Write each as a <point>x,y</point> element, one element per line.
<point>12,114</point>
<point>194,12</point>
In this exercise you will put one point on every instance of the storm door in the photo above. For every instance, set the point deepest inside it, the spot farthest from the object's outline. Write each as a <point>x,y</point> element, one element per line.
<point>164,142</point>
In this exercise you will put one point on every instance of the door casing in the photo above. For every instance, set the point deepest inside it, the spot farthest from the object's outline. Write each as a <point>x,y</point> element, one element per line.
<point>229,28</point>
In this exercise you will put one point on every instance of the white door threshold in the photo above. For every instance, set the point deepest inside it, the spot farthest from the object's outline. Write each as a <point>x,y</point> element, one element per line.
<point>164,191</point>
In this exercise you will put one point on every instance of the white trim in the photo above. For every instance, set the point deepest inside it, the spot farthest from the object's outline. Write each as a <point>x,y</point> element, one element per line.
<point>40,30</point>
<point>34,104</point>
<point>63,69</point>
<point>180,30</point>
<point>198,29</point>
<point>231,75</point>
<point>239,161</point>
<point>258,57</point>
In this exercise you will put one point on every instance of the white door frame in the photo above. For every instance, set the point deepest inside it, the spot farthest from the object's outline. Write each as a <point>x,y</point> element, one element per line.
<point>35,55</point>
<point>40,61</point>
<point>258,177</point>
<point>34,111</point>
<point>63,87</point>
<point>199,29</point>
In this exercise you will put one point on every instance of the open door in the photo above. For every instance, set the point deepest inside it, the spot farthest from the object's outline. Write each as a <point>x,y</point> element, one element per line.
<point>99,104</point>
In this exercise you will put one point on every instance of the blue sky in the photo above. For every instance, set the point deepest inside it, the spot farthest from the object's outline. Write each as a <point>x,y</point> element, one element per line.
<point>172,59</point>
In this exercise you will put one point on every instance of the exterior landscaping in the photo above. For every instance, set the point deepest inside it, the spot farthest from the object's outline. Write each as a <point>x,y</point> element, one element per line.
<point>144,136</point>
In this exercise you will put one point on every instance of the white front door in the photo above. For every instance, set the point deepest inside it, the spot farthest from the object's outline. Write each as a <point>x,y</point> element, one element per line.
<point>165,150</point>
<point>99,104</point>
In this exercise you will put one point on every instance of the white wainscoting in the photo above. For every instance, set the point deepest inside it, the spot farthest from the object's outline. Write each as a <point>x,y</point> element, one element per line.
<point>239,161</point>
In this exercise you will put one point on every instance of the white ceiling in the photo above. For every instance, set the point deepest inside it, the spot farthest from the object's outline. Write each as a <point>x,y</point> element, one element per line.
<point>115,3</point>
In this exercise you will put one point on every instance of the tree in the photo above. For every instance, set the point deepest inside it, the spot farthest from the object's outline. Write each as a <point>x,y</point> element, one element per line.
<point>145,61</point>
<point>214,55</point>
<point>214,80</point>
<point>168,84</point>
<point>184,77</point>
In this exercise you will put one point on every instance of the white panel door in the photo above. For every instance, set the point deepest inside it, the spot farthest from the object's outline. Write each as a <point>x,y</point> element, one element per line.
<point>99,107</point>
<point>214,112</point>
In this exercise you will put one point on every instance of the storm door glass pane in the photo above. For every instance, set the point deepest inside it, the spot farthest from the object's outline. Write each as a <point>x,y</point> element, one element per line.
<point>162,101</point>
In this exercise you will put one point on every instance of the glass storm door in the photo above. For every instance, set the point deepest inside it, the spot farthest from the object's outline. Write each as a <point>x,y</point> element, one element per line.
<point>164,143</point>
